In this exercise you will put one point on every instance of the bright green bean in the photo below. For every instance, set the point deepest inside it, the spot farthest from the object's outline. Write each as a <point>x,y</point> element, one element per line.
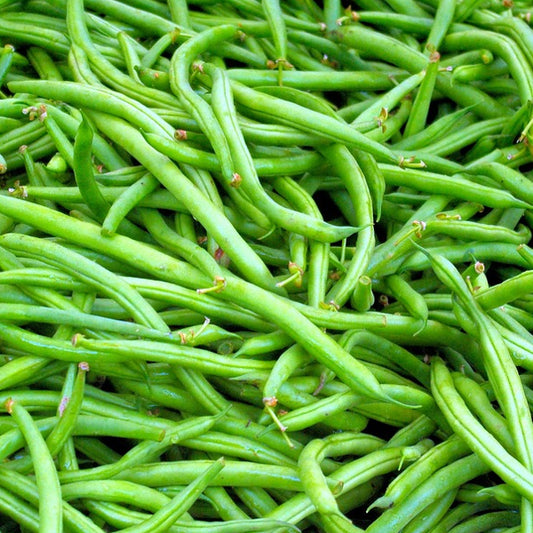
<point>50,511</point>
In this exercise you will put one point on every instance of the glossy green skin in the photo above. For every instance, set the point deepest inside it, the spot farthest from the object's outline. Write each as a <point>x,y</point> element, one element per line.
<point>167,235</point>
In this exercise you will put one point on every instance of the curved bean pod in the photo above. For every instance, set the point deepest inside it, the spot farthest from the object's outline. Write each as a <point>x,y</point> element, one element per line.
<point>50,510</point>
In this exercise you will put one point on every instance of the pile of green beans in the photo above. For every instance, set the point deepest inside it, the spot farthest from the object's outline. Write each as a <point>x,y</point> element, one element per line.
<point>266,266</point>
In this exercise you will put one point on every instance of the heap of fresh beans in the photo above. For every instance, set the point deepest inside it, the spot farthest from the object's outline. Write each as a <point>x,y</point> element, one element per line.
<point>264,266</point>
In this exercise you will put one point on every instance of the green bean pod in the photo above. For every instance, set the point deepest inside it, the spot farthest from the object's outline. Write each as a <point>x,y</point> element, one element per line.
<point>50,511</point>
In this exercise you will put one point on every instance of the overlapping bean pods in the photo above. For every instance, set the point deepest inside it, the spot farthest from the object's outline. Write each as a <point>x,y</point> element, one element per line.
<point>266,266</point>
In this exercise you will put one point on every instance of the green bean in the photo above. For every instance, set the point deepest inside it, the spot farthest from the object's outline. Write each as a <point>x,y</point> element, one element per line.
<point>395,121</point>
<point>408,22</point>
<point>502,493</point>
<point>352,474</point>
<point>309,80</point>
<point>504,47</point>
<point>117,491</point>
<point>73,518</point>
<point>479,439</point>
<point>49,297</point>
<point>445,479</point>
<point>294,221</point>
<point>105,153</point>
<point>478,402</point>
<point>171,240</point>
<point>158,48</point>
<point>327,47</point>
<point>432,515</point>
<point>209,362</point>
<point>235,473</point>
<point>181,63</point>
<point>417,118</point>
<point>131,57</point>
<point>127,201</point>
<point>278,30</point>
<point>153,78</point>
<point>441,23</point>
<point>314,413</point>
<point>166,395</point>
<point>60,139</point>
<point>46,38</point>
<point>24,134</point>
<point>477,231</point>
<point>325,350</point>
<point>33,176</point>
<point>362,298</point>
<point>89,272</point>
<point>507,291</point>
<point>398,242</point>
<point>205,304</point>
<point>83,171</point>
<point>466,9</point>
<point>20,369</point>
<point>306,120</point>
<point>354,181</point>
<point>265,343</point>
<point>476,72</point>
<point>393,51</point>
<point>372,114</point>
<point>232,243</point>
<point>316,451</point>
<point>459,187</point>
<point>50,513</point>
<point>256,499</point>
<point>7,124</point>
<point>79,34</point>
<point>289,361</point>
<point>6,59</point>
<point>435,131</point>
<point>516,29</point>
<point>415,474</point>
<point>226,508</point>
<point>254,8</point>
<point>145,451</point>
<point>158,199</point>
<point>67,413</point>
<point>220,251</point>
<point>43,64</point>
<point>461,512</point>
<point>233,426</point>
<point>496,519</point>
<point>507,253</point>
<point>395,328</point>
<point>19,510</point>
<point>413,302</point>
<point>179,12</point>
<point>318,262</point>
<point>502,372</point>
<point>238,446</point>
<point>472,133</point>
<point>165,516</point>
<point>299,97</point>
<point>264,166</point>
<point>121,517</point>
<point>394,353</point>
